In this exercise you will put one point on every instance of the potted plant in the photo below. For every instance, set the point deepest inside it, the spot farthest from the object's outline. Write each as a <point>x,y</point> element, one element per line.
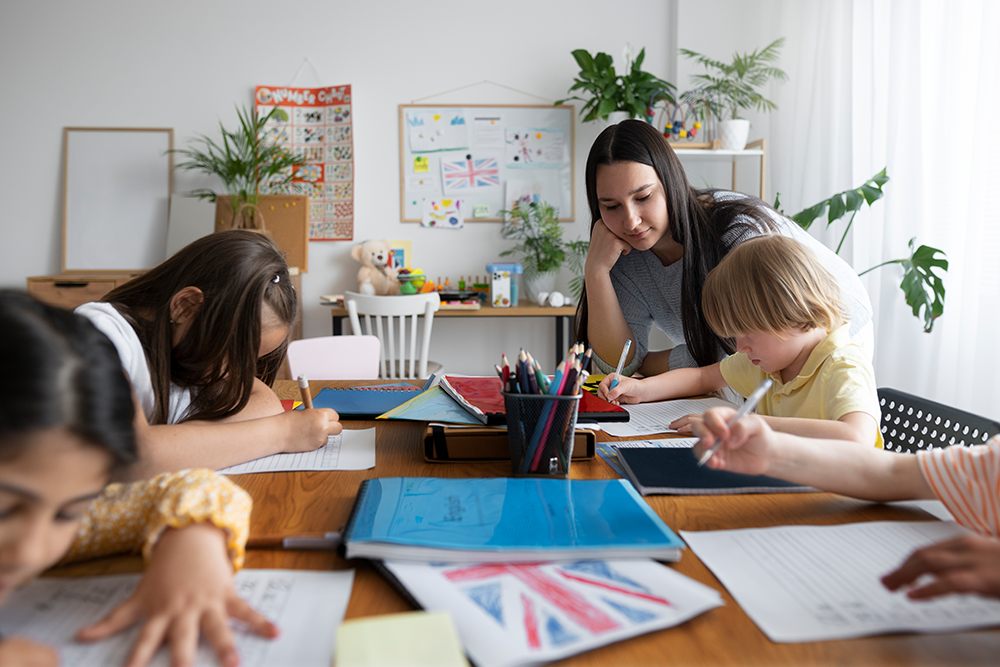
<point>535,224</point>
<point>729,88</point>
<point>255,171</point>
<point>631,94</point>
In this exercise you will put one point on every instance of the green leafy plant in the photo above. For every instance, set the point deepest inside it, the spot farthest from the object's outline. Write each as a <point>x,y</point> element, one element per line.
<point>922,288</point>
<point>606,90</point>
<point>246,160</point>
<point>535,225</point>
<point>730,87</point>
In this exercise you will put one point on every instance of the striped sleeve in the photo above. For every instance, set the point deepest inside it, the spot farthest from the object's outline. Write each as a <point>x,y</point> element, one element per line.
<point>967,480</point>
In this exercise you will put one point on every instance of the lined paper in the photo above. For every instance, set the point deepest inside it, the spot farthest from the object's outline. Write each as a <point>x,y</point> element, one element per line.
<point>814,583</point>
<point>351,450</point>
<point>650,418</point>
<point>307,606</point>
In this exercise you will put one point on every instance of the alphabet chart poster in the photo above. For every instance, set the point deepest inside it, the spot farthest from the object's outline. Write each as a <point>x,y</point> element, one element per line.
<point>484,158</point>
<point>317,123</point>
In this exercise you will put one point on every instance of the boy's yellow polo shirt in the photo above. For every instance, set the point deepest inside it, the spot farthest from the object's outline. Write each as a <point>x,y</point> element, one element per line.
<point>836,379</point>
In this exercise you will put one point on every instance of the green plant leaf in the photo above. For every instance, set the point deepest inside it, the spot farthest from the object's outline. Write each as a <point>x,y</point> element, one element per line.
<point>922,287</point>
<point>848,201</point>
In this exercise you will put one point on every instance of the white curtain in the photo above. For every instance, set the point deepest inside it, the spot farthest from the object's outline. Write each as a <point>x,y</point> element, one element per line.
<point>913,86</point>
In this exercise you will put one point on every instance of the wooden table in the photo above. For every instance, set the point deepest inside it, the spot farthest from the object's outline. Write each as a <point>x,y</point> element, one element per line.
<point>311,502</point>
<point>562,316</point>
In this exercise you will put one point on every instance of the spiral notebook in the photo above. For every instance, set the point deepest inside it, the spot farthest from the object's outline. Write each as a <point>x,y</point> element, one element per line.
<point>365,402</point>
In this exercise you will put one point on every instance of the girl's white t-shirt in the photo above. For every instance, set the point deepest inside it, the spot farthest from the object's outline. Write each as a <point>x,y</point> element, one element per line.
<point>111,323</point>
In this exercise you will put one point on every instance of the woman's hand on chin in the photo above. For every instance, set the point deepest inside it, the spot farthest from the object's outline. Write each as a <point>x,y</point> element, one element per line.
<point>605,250</point>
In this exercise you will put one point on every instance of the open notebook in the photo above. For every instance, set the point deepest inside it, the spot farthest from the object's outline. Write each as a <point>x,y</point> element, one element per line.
<point>483,398</point>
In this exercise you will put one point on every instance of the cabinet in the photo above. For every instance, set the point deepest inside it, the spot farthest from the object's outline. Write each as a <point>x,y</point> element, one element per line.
<point>754,150</point>
<point>69,290</point>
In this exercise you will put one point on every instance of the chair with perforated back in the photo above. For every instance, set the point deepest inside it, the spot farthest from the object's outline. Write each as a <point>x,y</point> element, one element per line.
<point>335,358</point>
<point>403,326</point>
<point>910,423</point>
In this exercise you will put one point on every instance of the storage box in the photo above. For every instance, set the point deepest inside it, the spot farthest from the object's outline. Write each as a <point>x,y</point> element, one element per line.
<point>504,284</point>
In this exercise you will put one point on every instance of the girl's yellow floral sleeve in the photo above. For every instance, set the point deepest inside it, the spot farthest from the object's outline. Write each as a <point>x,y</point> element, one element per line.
<point>131,517</point>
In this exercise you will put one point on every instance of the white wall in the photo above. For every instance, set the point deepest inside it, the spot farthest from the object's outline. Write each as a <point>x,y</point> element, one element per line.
<point>185,64</point>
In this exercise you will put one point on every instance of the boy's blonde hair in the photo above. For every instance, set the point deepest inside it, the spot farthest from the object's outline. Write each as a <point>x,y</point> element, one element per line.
<point>770,283</point>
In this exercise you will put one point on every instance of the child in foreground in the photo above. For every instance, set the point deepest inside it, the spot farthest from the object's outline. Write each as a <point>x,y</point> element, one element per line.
<point>783,310</point>
<point>66,429</point>
<point>201,337</point>
<point>965,479</point>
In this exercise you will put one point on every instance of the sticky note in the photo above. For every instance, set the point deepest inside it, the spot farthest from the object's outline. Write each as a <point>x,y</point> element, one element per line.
<point>416,639</point>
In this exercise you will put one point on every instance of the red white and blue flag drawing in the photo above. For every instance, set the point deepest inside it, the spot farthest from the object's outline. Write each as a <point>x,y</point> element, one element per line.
<point>470,173</point>
<point>553,605</point>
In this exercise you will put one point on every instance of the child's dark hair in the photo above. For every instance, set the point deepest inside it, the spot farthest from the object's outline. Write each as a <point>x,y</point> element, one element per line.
<point>237,271</point>
<point>697,221</point>
<point>61,372</point>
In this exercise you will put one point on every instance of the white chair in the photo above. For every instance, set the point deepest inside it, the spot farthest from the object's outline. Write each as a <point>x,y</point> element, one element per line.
<point>394,319</point>
<point>335,358</point>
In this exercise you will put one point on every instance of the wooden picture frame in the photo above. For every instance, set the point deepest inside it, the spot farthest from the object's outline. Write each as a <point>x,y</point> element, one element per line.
<point>117,183</point>
<point>489,133</point>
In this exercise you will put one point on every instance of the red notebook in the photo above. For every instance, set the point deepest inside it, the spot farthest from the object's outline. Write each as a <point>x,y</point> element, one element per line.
<point>482,397</point>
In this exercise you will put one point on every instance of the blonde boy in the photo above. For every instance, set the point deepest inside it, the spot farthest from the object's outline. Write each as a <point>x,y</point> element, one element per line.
<point>782,309</point>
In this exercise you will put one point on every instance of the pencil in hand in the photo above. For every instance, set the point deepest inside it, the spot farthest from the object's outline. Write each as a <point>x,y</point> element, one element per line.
<point>307,399</point>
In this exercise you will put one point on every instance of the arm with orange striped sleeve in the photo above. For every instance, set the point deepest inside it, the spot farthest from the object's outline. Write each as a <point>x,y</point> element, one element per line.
<point>967,481</point>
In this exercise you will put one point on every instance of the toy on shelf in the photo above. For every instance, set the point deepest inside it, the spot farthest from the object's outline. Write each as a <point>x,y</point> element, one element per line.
<point>504,284</point>
<point>682,126</point>
<point>376,275</point>
<point>411,281</point>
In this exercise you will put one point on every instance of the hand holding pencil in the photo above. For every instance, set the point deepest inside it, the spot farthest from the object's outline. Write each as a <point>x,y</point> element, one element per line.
<point>736,440</point>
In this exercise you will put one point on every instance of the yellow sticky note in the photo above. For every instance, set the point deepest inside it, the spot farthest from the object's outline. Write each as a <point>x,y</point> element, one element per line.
<point>418,639</point>
<point>421,165</point>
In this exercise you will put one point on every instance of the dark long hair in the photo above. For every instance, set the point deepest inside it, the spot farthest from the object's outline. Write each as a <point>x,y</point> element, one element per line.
<point>61,372</point>
<point>695,220</point>
<point>237,272</point>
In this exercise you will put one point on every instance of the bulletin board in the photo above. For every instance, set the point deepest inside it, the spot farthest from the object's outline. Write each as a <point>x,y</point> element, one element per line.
<point>116,199</point>
<point>485,157</point>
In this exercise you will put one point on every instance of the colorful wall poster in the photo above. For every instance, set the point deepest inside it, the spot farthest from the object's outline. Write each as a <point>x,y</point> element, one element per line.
<point>317,122</point>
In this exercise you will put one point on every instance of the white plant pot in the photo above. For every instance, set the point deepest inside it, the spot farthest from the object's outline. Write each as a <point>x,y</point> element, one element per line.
<point>537,283</point>
<point>733,134</point>
<point>616,117</point>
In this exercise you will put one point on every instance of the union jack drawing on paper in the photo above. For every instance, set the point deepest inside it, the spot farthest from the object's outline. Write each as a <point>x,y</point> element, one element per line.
<point>527,613</point>
<point>470,173</point>
<point>550,608</point>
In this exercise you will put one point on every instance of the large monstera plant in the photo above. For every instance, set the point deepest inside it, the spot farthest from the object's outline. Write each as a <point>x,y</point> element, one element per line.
<point>922,286</point>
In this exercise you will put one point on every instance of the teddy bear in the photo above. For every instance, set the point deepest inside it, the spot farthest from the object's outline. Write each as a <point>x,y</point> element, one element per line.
<point>376,275</point>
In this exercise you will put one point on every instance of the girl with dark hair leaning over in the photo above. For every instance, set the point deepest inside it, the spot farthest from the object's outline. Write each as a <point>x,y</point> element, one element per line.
<point>201,337</point>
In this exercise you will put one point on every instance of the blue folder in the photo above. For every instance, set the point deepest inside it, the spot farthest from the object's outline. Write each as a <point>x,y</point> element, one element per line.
<point>366,403</point>
<point>504,520</point>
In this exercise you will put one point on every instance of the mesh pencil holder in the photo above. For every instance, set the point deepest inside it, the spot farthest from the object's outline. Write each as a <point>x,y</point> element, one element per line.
<point>540,431</point>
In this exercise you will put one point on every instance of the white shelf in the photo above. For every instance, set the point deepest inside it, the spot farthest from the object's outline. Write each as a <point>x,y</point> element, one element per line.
<point>707,152</point>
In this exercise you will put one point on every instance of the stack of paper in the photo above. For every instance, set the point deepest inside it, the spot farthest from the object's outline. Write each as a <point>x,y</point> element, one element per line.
<point>650,418</point>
